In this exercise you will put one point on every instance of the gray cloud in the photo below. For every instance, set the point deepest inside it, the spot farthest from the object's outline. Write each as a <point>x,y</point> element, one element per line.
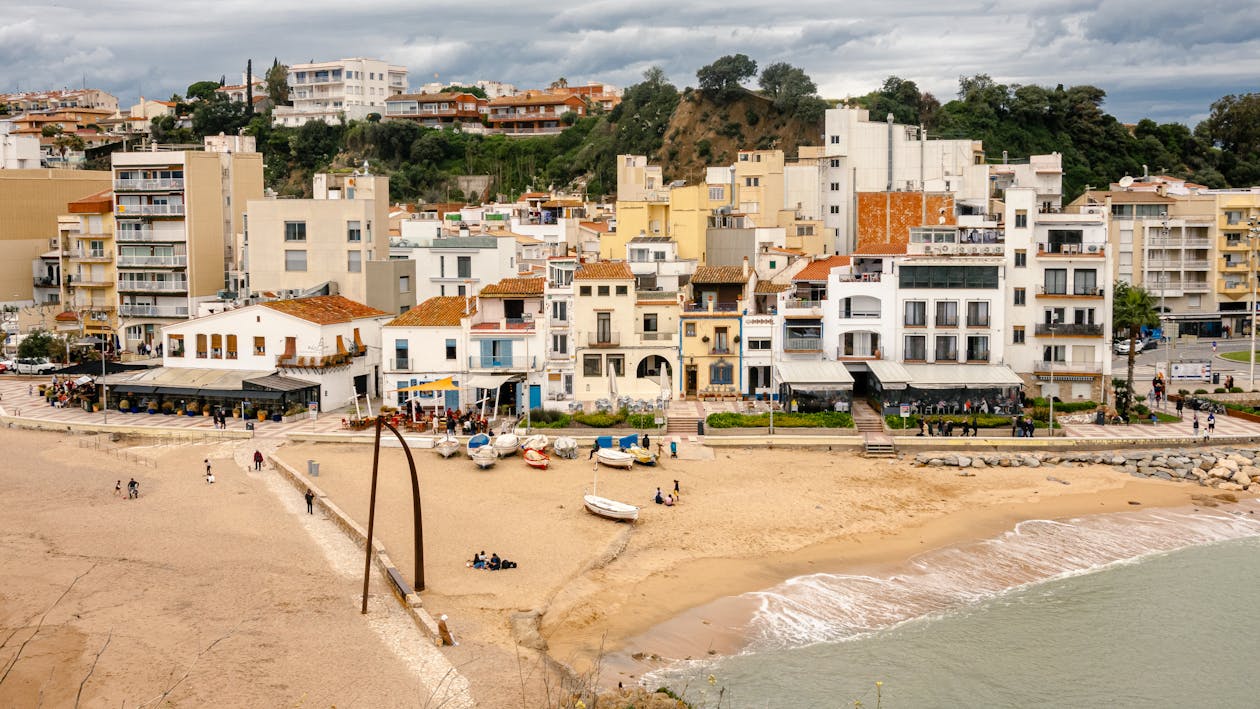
<point>1164,58</point>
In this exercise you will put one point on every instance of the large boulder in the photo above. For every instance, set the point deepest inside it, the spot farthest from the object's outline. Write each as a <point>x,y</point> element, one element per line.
<point>964,461</point>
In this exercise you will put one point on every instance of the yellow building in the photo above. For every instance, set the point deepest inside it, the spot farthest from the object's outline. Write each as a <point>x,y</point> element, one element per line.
<point>1236,212</point>
<point>712,325</point>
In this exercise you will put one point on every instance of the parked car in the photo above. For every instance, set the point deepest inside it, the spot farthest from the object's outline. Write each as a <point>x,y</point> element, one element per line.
<point>8,365</point>
<point>1122,346</point>
<point>1149,343</point>
<point>35,365</point>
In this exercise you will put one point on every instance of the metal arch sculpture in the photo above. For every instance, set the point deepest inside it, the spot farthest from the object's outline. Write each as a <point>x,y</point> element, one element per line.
<point>415,502</point>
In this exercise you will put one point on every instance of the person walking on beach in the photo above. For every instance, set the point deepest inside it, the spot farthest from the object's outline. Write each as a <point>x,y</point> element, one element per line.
<point>133,489</point>
<point>310,502</point>
<point>207,466</point>
<point>258,460</point>
<point>118,489</point>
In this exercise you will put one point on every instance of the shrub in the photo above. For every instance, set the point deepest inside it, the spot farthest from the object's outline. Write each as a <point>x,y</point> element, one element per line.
<point>1068,407</point>
<point>704,148</point>
<point>1200,391</point>
<point>641,420</point>
<point>751,117</point>
<point>1235,390</point>
<point>542,418</point>
<point>1218,390</point>
<point>599,419</point>
<point>821,419</point>
<point>1142,410</point>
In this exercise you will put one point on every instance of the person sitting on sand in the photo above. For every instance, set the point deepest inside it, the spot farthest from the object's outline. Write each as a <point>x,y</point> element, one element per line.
<point>659,499</point>
<point>669,500</point>
<point>479,559</point>
<point>495,562</point>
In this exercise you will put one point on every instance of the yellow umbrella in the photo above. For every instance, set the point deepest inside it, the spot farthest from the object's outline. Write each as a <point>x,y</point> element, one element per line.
<point>440,385</point>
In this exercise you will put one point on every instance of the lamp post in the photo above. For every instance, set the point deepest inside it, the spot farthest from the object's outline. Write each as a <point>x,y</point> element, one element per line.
<point>1253,232</point>
<point>1053,318</point>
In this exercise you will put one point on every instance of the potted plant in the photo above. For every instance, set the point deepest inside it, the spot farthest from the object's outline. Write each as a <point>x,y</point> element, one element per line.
<point>168,408</point>
<point>124,406</point>
<point>277,417</point>
<point>236,412</point>
<point>135,409</point>
<point>248,412</point>
<point>262,414</point>
<point>704,339</point>
<point>190,408</point>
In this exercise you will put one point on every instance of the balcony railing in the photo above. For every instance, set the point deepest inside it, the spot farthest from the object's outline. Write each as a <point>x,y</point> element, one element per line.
<point>1047,366</point>
<point>153,311</point>
<point>1070,329</point>
<point>46,283</point>
<point>314,361</point>
<point>656,336</point>
<point>978,357</point>
<point>505,324</point>
<point>492,362</point>
<point>803,344</point>
<point>1196,264</point>
<point>1070,250</point>
<point>149,210</point>
<point>717,307</point>
<point>607,339</point>
<point>803,303</point>
<point>149,185</point>
<point>158,286</point>
<point>663,295</point>
<point>859,277</point>
<point>100,256</point>
<point>146,235</point>
<point>861,315</point>
<point>126,260</point>
<point>947,322</point>
<point>1080,292</point>
<point>402,364</point>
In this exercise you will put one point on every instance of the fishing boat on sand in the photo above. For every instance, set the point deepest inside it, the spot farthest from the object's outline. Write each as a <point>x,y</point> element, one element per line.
<point>485,456</point>
<point>507,444</point>
<point>610,509</point>
<point>536,442</point>
<point>477,442</point>
<point>565,447</point>
<point>447,446</point>
<point>536,459</point>
<point>614,458</point>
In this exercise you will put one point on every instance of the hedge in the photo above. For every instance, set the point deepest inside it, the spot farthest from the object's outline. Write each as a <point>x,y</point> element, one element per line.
<point>982,420</point>
<point>821,419</point>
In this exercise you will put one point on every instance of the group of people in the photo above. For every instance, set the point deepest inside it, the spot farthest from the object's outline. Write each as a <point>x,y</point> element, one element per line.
<point>220,419</point>
<point>493,563</point>
<point>668,499</point>
<point>945,427</point>
<point>133,489</point>
<point>1023,427</point>
<point>468,422</point>
<point>1211,424</point>
<point>966,407</point>
<point>63,390</point>
<point>147,350</point>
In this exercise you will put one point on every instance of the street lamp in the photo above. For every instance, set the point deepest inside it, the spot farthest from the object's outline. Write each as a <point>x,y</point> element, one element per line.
<point>1253,232</point>
<point>1053,319</point>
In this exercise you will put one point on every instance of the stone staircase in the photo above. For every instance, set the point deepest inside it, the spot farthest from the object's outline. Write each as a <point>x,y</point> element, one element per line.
<point>876,441</point>
<point>682,418</point>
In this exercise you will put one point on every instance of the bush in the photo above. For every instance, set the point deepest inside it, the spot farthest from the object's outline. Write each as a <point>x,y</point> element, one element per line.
<point>1200,391</point>
<point>1235,390</point>
<point>600,419</point>
<point>982,420</point>
<point>1218,390</point>
<point>1068,407</point>
<point>641,420</point>
<point>542,418</point>
<point>821,419</point>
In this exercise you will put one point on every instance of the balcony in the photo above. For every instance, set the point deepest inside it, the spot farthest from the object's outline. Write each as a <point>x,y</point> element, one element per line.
<point>340,359</point>
<point>92,256</point>
<point>655,336</point>
<point>802,344</point>
<point>512,324</point>
<point>978,357</point>
<point>46,283</point>
<point>153,311</point>
<point>607,339</point>
<point>149,210</point>
<point>164,184</point>
<point>1074,292</point>
<point>1050,250</point>
<point>401,364</point>
<point>132,235</point>
<point>664,296</point>
<point>1234,266</point>
<point>1177,286</point>
<point>1176,242</point>
<point>1179,264</point>
<point>714,307</point>
<point>1048,366</point>
<point>153,286</point>
<point>142,261</point>
<point>500,364</point>
<point>1232,287</point>
<point>859,277</point>
<point>1070,330</point>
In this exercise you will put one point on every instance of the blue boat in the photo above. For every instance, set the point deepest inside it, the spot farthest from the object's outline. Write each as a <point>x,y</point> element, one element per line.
<point>476,442</point>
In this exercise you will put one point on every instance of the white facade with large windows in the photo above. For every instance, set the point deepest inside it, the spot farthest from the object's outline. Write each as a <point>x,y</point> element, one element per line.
<point>344,88</point>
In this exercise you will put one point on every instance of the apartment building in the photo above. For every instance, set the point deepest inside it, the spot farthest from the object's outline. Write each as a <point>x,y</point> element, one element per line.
<point>711,324</point>
<point>17,151</point>
<point>89,257</point>
<point>427,343</point>
<point>179,224</point>
<point>507,344</point>
<point>1235,216</point>
<point>454,264</point>
<point>558,303</point>
<point>332,242</point>
<point>53,100</point>
<point>344,88</point>
<point>626,339</point>
<point>533,112</point>
<point>439,110</point>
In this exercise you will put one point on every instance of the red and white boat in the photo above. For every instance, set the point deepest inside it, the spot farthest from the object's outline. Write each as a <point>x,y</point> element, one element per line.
<point>536,459</point>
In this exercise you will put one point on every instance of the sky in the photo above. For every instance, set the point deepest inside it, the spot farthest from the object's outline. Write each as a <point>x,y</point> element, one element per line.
<point>1163,59</point>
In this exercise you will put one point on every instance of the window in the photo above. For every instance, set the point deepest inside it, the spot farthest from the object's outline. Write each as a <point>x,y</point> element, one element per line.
<point>463,266</point>
<point>759,343</point>
<point>354,261</point>
<point>835,187</point>
<point>560,344</point>
<point>835,139</point>
<point>560,310</point>
<point>592,365</point>
<point>916,313</point>
<point>721,374</point>
<point>602,290</point>
<point>1021,296</point>
<point>617,365</point>
<point>1085,282</point>
<point>834,209</point>
<point>946,348</point>
<point>720,341</point>
<point>805,230</point>
<point>1017,336</point>
<point>294,260</point>
<point>603,328</point>
<point>623,290</point>
<point>649,322</point>
<point>916,348</point>
<point>231,346</point>
<point>752,181</point>
<point>202,348</point>
<point>216,347</point>
<point>835,162</point>
<point>948,277</point>
<point>354,231</point>
<point>1021,218</point>
<point>1021,258</point>
<point>1057,353</point>
<point>584,290</point>
<point>689,329</point>
<point>442,267</point>
<point>947,313</point>
<point>717,194</point>
<point>1056,281</point>
<point>404,285</point>
<point>977,313</point>
<point>176,346</point>
<point>401,354</point>
<point>450,349</point>
<point>295,231</point>
<point>977,348</point>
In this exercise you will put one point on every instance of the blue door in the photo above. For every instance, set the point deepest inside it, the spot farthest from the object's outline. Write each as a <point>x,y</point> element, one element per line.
<point>452,398</point>
<point>535,396</point>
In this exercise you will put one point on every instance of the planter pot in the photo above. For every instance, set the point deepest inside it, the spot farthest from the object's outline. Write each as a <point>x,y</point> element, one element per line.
<point>192,413</point>
<point>136,410</point>
<point>277,418</point>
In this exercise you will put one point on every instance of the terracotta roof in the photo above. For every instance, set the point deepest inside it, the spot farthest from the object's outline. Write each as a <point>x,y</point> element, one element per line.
<point>880,250</point>
<point>720,275</point>
<point>66,316</point>
<point>602,227</point>
<point>439,311</point>
<point>534,195</point>
<point>764,287</point>
<point>324,309</point>
<point>820,269</point>
<point>97,203</point>
<point>535,99</point>
<point>604,271</point>
<point>515,286</point>
<point>785,250</point>
<point>443,96</point>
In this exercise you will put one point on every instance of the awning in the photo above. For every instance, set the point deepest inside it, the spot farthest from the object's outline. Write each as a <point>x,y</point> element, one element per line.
<point>891,375</point>
<point>277,382</point>
<point>132,389</point>
<point>489,381</point>
<point>444,384</point>
<point>812,375</point>
<point>956,376</point>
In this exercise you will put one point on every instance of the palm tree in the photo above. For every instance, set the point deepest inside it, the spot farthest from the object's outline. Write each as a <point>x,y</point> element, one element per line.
<point>1132,308</point>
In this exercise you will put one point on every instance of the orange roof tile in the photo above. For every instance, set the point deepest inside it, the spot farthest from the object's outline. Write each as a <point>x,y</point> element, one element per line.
<point>820,269</point>
<point>720,275</point>
<point>443,96</point>
<point>515,286</point>
<point>536,99</point>
<point>602,227</point>
<point>765,287</point>
<point>880,250</point>
<point>604,271</point>
<point>439,311</point>
<point>324,309</point>
<point>97,203</point>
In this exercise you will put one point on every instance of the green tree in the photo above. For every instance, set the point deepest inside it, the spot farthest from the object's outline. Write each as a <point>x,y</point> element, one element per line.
<point>202,90</point>
<point>786,85</point>
<point>39,343</point>
<point>1234,128</point>
<point>66,142</point>
<point>219,114</point>
<point>1132,308</point>
<point>277,78</point>
<point>474,90</point>
<point>902,98</point>
<point>723,78</point>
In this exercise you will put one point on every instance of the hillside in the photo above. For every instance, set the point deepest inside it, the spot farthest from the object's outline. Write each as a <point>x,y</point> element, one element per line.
<point>702,132</point>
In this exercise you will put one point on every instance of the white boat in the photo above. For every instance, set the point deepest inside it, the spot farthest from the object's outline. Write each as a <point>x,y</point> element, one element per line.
<point>565,447</point>
<point>614,458</point>
<point>485,457</point>
<point>610,509</point>
<point>507,444</point>
<point>447,446</point>
<point>476,443</point>
<point>536,459</point>
<point>536,442</point>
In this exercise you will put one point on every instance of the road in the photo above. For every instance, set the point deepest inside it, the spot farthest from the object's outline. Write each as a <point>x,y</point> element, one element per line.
<point>1144,369</point>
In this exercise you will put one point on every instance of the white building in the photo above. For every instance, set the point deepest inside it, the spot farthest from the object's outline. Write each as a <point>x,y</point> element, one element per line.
<point>17,152</point>
<point>425,344</point>
<point>507,344</point>
<point>345,88</point>
<point>454,265</point>
<point>558,303</point>
<point>656,266</point>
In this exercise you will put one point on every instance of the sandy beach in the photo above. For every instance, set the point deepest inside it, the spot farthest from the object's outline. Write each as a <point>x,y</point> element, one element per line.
<point>192,595</point>
<point>748,519</point>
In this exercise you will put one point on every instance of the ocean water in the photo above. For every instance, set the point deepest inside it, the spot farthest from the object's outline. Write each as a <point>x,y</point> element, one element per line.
<point>1147,609</point>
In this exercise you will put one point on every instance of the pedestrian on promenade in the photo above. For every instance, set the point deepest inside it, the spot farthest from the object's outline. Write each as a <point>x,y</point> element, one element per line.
<point>1181,405</point>
<point>258,460</point>
<point>1196,424</point>
<point>310,502</point>
<point>1211,422</point>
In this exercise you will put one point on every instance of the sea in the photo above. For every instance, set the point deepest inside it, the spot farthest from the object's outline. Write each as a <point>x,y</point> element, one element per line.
<point>1152,608</point>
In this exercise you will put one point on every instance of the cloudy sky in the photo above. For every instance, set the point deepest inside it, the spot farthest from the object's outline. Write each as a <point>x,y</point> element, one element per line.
<point>1166,59</point>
